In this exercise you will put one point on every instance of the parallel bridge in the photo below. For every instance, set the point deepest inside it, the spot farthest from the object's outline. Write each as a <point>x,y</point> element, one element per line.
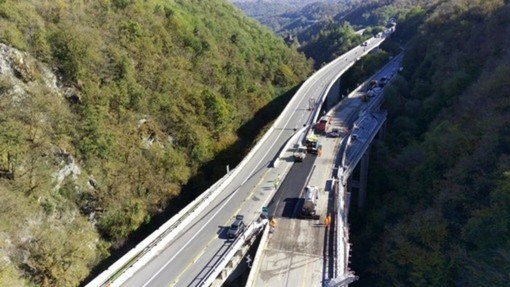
<point>191,249</point>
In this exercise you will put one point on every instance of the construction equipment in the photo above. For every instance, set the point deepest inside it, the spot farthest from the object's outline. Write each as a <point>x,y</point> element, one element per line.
<point>312,144</point>
<point>309,209</point>
<point>322,125</point>
<point>300,154</point>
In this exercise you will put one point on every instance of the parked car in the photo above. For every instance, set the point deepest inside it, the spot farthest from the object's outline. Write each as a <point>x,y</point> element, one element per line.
<point>334,133</point>
<point>383,81</point>
<point>237,227</point>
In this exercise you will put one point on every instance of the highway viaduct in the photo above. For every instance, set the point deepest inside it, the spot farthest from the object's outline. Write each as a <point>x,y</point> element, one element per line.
<point>191,248</point>
<point>304,252</point>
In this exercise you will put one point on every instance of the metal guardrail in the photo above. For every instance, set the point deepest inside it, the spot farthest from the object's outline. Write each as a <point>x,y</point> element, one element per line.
<point>349,168</point>
<point>111,276</point>
<point>129,259</point>
<point>173,225</point>
<point>330,85</point>
<point>252,230</point>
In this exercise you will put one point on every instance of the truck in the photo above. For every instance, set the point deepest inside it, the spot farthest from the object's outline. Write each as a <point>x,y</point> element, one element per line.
<point>309,210</point>
<point>312,144</point>
<point>322,124</point>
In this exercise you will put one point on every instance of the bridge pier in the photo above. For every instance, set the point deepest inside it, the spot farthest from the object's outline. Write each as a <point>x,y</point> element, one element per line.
<point>333,96</point>
<point>382,132</point>
<point>362,191</point>
<point>360,186</point>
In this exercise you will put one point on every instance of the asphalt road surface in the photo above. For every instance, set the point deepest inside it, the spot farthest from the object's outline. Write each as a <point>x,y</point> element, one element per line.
<point>288,200</point>
<point>196,247</point>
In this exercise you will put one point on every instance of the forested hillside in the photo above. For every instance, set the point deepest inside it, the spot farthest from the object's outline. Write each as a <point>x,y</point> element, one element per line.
<point>439,185</point>
<point>290,18</point>
<point>325,40</point>
<point>146,92</point>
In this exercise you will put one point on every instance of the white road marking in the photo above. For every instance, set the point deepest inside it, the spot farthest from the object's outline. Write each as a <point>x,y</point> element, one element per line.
<point>274,142</point>
<point>190,240</point>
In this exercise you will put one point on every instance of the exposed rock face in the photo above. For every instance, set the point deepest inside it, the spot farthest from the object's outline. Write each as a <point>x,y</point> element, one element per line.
<point>20,76</point>
<point>39,178</point>
<point>68,168</point>
<point>22,73</point>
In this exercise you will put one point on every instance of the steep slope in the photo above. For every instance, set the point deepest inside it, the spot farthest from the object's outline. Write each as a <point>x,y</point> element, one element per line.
<point>326,39</point>
<point>290,18</point>
<point>329,40</point>
<point>439,184</point>
<point>145,93</point>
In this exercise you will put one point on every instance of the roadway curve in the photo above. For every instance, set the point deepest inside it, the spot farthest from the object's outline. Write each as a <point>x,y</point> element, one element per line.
<point>199,245</point>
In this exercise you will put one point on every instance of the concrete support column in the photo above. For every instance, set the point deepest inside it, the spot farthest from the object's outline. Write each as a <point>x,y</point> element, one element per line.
<point>382,132</point>
<point>362,193</point>
<point>333,96</point>
<point>335,188</point>
<point>351,183</point>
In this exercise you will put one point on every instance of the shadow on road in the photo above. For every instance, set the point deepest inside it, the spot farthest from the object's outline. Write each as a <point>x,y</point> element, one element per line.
<point>292,207</point>
<point>222,232</point>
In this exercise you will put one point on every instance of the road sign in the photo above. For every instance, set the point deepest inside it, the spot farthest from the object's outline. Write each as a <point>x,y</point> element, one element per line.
<point>265,212</point>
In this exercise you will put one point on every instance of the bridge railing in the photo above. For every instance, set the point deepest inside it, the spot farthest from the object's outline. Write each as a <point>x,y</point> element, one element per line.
<point>124,268</point>
<point>325,93</point>
<point>253,229</point>
<point>110,276</point>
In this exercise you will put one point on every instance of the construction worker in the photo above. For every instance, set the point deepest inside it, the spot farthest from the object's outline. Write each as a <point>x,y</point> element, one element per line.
<point>326,221</point>
<point>272,225</point>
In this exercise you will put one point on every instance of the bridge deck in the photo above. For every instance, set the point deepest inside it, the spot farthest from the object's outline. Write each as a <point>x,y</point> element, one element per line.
<point>295,253</point>
<point>301,252</point>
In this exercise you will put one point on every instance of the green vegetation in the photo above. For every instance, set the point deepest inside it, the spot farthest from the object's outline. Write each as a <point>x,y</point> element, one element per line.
<point>326,40</point>
<point>290,19</point>
<point>331,41</point>
<point>155,89</point>
<point>438,212</point>
<point>376,13</point>
<point>363,69</point>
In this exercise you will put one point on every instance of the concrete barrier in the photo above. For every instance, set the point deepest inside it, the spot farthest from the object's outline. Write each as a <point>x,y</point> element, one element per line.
<point>171,227</point>
<point>125,267</point>
<point>128,264</point>
<point>295,138</point>
<point>240,241</point>
<point>256,261</point>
